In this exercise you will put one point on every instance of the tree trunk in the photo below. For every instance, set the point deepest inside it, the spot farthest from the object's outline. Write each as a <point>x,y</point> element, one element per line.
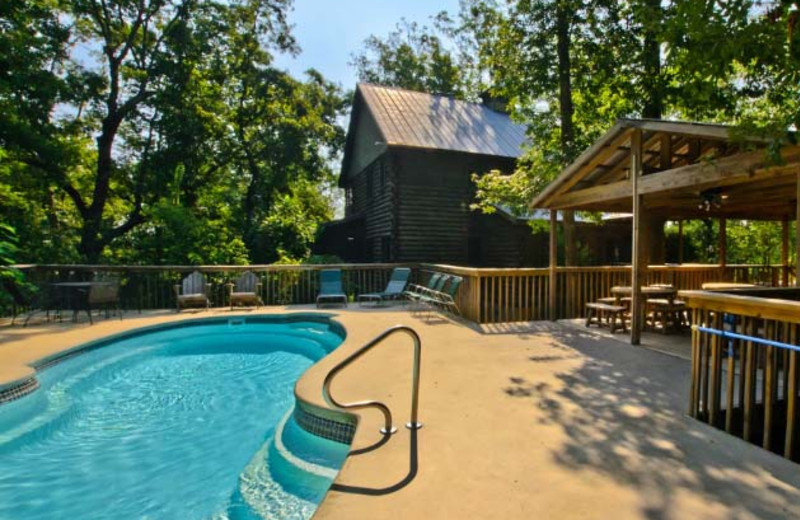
<point>564,15</point>
<point>92,242</point>
<point>651,63</point>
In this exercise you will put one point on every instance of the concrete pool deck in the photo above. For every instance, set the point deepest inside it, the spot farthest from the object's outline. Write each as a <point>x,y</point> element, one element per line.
<point>531,420</point>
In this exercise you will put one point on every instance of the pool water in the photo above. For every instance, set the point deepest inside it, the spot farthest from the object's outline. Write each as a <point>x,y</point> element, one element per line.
<point>190,422</point>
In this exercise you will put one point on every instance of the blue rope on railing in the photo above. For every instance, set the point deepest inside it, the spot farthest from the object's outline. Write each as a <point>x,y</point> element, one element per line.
<point>736,335</point>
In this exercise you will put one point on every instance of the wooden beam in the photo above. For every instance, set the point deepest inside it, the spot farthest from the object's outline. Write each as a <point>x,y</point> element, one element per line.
<point>728,171</point>
<point>553,264</point>
<point>785,252</point>
<point>797,233</point>
<point>665,162</point>
<point>703,131</point>
<point>618,169</point>
<point>637,248</point>
<point>555,187</point>
<point>596,161</point>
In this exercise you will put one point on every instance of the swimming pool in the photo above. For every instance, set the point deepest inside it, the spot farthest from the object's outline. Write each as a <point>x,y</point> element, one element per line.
<point>186,422</point>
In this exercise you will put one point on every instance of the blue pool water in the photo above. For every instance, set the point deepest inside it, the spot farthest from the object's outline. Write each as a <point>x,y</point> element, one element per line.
<point>190,422</point>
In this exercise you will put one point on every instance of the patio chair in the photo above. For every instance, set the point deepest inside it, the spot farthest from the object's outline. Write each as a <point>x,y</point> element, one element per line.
<point>435,283</point>
<point>331,287</point>
<point>394,289</point>
<point>245,290</point>
<point>23,301</point>
<point>192,292</point>
<point>104,292</point>
<point>444,299</point>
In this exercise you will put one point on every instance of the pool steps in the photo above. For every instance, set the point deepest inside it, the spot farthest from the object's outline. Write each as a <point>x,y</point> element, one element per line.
<point>292,478</point>
<point>295,460</point>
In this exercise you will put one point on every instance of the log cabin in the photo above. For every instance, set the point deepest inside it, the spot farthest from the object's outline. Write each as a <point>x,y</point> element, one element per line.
<point>406,172</point>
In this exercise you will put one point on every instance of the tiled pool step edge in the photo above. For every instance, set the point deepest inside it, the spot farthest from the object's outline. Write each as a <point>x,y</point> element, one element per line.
<point>18,389</point>
<point>324,422</point>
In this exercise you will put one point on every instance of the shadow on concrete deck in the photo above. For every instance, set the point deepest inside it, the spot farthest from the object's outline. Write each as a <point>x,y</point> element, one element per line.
<point>624,417</point>
<point>413,468</point>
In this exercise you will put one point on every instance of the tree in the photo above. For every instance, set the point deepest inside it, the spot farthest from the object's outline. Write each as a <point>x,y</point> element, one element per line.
<point>155,130</point>
<point>109,95</point>
<point>416,58</point>
<point>572,67</point>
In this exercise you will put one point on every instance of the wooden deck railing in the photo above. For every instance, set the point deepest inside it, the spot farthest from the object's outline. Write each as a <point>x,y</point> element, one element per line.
<point>508,295</point>
<point>745,365</point>
<point>152,287</point>
<point>487,295</point>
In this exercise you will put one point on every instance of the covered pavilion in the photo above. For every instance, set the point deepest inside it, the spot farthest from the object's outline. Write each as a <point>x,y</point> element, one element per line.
<point>667,170</point>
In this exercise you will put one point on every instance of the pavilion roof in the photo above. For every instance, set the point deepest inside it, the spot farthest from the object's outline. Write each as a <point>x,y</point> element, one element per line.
<point>689,170</point>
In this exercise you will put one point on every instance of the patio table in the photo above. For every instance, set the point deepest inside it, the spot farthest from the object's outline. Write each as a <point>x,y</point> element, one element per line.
<point>656,292</point>
<point>668,293</point>
<point>75,295</point>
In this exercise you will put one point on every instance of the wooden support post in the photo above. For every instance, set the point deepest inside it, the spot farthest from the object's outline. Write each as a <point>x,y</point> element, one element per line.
<point>797,233</point>
<point>637,249</point>
<point>553,263</point>
<point>680,241</point>
<point>665,161</point>
<point>723,243</point>
<point>785,252</point>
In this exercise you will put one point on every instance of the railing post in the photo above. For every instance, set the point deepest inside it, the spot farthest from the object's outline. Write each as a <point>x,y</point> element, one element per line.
<point>637,249</point>
<point>552,314</point>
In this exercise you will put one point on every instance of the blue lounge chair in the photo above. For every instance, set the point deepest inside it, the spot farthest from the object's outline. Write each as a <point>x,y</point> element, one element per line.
<point>435,283</point>
<point>394,289</point>
<point>446,299</point>
<point>330,290</point>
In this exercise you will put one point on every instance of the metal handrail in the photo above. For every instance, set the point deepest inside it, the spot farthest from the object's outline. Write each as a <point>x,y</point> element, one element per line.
<point>755,339</point>
<point>388,428</point>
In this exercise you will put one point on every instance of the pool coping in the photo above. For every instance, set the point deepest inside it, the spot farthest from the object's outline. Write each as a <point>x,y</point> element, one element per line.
<point>324,422</point>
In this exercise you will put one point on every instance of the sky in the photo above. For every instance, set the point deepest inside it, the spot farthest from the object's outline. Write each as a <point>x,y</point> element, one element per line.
<point>330,31</point>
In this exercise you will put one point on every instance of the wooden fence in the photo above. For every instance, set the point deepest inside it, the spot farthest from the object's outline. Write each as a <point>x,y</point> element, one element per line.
<point>745,365</point>
<point>485,296</point>
<point>509,295</point>
<point>152,287</point>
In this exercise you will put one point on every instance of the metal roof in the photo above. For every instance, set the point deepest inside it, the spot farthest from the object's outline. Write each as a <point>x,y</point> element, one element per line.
<point>684,165</point>
<point>420,120</point>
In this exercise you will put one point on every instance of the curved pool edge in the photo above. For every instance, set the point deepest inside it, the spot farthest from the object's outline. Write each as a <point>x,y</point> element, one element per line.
<point>26,381</point>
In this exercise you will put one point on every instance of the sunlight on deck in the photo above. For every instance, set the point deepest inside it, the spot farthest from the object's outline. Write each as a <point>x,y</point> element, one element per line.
<point>521,420</point>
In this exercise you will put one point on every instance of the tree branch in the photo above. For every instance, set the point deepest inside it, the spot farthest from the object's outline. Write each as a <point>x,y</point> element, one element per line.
<point>59,178</point>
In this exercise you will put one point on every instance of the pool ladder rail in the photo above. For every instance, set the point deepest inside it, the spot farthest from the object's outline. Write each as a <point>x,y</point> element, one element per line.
<point>388,427</point>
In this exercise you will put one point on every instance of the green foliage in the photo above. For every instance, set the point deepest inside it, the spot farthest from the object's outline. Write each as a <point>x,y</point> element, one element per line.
<point>289,230</point>
<point>735,62</point>
<point>176,141</point>
<point>10,277</point>
<point>747,242</point>
<point>753,242</point>
<point>416,58</point>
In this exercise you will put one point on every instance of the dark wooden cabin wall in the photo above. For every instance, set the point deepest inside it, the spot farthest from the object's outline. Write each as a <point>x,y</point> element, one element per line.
<point>503,242</point>
<point>374,191</point>
<point>433,198</point>
<point>380,208</point>
<point>415,208</point>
